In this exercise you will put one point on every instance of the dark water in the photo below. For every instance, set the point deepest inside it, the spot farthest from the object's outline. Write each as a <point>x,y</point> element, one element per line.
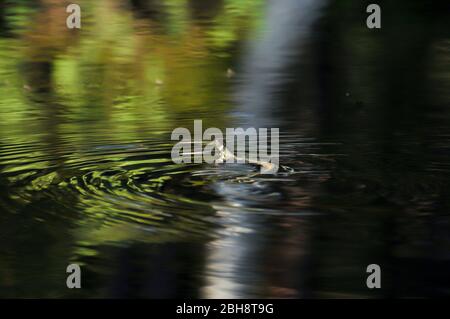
<point>85,169</point>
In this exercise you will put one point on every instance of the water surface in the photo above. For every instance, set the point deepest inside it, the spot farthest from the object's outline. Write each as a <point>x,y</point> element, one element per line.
<point>86,174</point>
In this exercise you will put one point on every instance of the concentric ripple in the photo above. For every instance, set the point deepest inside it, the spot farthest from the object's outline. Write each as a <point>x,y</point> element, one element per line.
<point>107,186</point>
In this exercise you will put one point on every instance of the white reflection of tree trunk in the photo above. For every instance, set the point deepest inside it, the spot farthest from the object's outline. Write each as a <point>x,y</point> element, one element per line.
<point>232,262</point>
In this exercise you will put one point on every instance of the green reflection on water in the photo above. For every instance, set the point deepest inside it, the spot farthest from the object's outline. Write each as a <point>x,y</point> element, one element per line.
<point>86,115</point>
